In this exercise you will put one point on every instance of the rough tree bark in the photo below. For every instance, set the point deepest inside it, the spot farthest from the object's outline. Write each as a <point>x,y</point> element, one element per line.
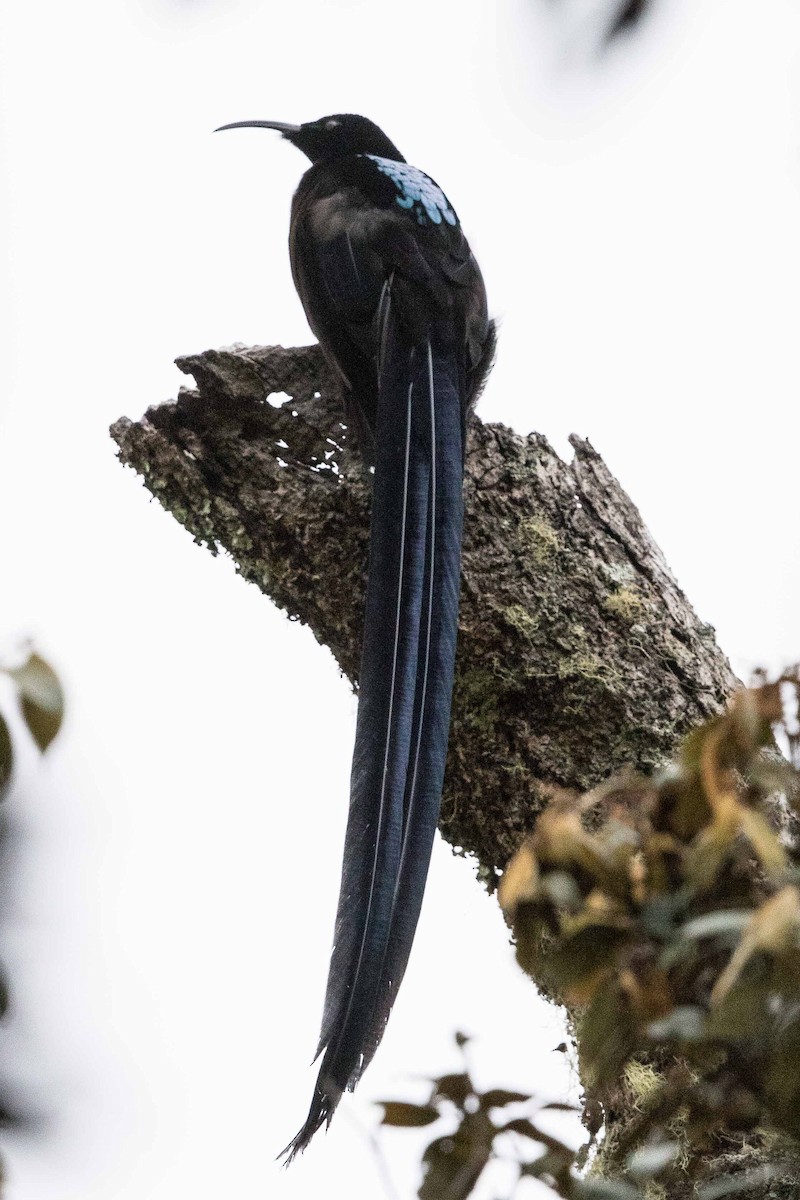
<point>578,654</point>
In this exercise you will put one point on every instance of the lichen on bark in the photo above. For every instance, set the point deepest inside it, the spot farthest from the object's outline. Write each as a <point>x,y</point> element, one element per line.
<point>578,654</point>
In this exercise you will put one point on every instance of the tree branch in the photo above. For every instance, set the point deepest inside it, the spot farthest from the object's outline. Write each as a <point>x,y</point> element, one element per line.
<point>578,654</point>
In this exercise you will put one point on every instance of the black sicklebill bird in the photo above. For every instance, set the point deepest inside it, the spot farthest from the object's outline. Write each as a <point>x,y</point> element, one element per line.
<point>396,299</point>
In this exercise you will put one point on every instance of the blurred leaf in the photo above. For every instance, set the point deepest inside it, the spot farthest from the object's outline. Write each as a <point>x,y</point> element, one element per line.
<point>744,1014</point>
<point>526,1128</point>
<point>520,880</point>
<point>522,1126</point>
<point>549,1163</point>
<point>657,916</point>
<point>649,993</point>
<point>530,931</point>
<point>650,1160</point>
<point>693,745</point>
<point>452,1165</point>
<point>561,841</point>
<point>561,890</point>
<point>726,924</point>
<point>772,773</point>
<point>607,1035</point>
<point>774,928</point>
<point>396,1112</point>
<point>6,755</point>
<point>713,924</point>
<point>497,1097</point>
<point>714,845</point>
<point>685,805</point>
<point>41,699</point>
<point>579,964</point>
<point>735,1185</point>
<point>600,910</point>
<point>764,840</point>
<point>454,1087</point>
<point>753,712</point>
<point>686,1023</point>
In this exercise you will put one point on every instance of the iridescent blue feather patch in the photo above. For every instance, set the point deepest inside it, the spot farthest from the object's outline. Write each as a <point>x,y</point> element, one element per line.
<point>416,191</point>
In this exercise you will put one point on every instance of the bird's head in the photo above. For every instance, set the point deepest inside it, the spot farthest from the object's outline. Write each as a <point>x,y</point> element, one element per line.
<point>330,137</point>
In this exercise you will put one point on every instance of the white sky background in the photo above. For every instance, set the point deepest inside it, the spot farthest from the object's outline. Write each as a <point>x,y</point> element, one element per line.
<point>637,221</point>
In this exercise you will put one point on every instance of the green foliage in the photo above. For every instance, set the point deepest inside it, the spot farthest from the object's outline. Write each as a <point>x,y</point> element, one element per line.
<point>41,699</point>
<point>396,1112</point>
<point>38,694</point>
<point>667,912</point>
<point>454,1161</point>
<point>41,702</point>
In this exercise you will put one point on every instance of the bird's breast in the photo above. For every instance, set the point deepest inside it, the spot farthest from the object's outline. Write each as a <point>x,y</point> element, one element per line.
<point>347,213</point>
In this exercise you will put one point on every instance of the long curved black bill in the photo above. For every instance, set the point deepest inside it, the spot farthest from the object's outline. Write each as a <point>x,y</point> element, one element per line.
<point>281,126</point>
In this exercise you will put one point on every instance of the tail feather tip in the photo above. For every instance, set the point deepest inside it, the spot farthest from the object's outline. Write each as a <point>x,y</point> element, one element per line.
<point>320,1113</point>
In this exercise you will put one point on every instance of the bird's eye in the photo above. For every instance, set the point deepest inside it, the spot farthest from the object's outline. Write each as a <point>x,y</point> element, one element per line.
<point>332,124</point>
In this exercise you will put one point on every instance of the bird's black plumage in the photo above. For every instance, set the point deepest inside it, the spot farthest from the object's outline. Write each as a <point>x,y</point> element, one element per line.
<point>396,299</point>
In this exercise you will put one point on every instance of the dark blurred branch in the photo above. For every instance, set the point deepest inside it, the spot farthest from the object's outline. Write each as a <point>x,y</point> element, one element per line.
<point>34,690</point>
<point>617,17</point>
<point>627,16</point>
